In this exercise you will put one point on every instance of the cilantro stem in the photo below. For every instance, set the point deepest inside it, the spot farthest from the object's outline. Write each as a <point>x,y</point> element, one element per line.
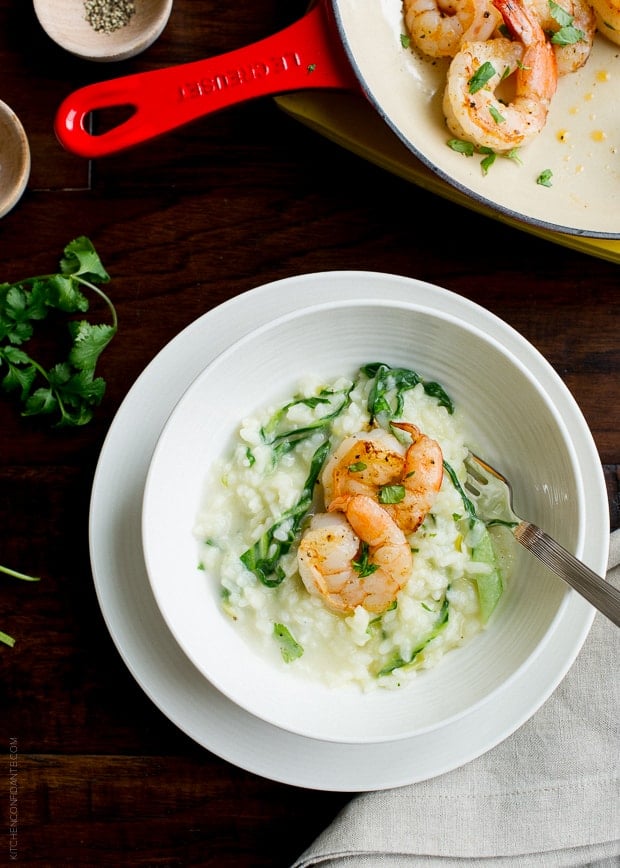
<point>17,575</point>
<point>5,639</point>
<point>102,295</point>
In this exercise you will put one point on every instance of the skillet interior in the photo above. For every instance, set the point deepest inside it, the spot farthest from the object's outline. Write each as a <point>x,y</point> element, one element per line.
<point>580,143</point>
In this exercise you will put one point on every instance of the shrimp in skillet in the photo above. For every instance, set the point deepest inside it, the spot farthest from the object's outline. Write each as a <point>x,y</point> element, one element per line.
<point>472,109</point>
<point>404,480</point>
<point>438,27</point>
<point>573,55</point>
<point>359,558</point>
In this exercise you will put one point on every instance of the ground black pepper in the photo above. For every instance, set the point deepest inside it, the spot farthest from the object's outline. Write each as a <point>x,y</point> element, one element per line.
<point>108,15</point>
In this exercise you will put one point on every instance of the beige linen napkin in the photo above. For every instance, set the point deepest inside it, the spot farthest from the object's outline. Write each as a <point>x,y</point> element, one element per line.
<point>546,797</point>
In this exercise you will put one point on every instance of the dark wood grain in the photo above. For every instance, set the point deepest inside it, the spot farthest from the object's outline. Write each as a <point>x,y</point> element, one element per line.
<point>184,223</point>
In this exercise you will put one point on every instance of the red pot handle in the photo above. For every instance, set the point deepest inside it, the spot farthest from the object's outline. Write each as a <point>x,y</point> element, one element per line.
<point>305,55</point>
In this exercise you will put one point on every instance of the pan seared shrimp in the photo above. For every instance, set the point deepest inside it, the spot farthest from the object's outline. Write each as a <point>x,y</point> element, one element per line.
<point>362,464</point>
<point>369,463</point>
<point>475,113</point>
<point>422,477</point>
<point>435,31</point>
<point>359,558</point>
<point>437,27</point>
<point>607,13</point>
<point>572,56</point>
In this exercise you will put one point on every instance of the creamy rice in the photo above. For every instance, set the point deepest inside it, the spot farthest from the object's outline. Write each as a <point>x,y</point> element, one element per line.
<point>438,609</point>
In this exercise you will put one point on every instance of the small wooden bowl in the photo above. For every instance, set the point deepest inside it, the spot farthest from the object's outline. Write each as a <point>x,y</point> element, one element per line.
<point>14,159</point>
<point>66,22</point>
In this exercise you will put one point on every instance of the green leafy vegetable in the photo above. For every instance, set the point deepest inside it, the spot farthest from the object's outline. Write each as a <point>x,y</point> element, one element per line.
<point>386,397</point>
<point>263,557</point>
<point>470,509</point>
<point>68,391</point>
<point>397,661</point>
<point>289,648</point>
<point>284,439</point>
<point>489,585</point>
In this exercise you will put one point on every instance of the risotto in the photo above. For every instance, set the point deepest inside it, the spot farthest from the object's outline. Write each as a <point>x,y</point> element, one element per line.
<point>261,499</point>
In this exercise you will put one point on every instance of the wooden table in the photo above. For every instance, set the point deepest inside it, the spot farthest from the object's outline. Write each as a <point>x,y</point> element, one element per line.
<point>182,224</point>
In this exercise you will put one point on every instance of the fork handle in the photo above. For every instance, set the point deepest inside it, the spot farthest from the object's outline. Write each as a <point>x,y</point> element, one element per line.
<point>598,592</point>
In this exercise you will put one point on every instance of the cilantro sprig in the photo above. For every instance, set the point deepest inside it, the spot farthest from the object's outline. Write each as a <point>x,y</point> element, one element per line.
<point>67,391</point>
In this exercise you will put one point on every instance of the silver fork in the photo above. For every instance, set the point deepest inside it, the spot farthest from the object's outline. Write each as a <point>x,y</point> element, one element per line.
<point>490,496</point>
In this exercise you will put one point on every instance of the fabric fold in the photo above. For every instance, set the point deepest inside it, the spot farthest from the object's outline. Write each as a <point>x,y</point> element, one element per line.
<point>546,797</point>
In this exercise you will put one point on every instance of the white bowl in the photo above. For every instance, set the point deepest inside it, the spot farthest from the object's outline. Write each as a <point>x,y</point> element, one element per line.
<point>515,426</point>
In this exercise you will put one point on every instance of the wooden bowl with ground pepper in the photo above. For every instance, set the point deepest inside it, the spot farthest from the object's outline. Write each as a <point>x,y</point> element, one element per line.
<point>103,30</point>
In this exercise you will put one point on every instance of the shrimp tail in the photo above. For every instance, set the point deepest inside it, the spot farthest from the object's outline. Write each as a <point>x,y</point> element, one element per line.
<point>538,73</point>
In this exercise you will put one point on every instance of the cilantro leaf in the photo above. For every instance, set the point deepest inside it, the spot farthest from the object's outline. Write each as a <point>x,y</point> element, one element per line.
<point>363,566</point>
<point>462,147</point>
<point>89,341</point>
<point>391,494</point>
<point>481,77</point>
<point>544,179</point>
<point>81,259</point>
<point>567,36</point>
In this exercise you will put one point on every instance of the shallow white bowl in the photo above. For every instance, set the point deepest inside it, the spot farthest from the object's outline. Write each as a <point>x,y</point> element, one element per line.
<point>514,425</point>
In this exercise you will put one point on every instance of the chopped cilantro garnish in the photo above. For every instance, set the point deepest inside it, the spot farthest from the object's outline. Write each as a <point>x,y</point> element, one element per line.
<point>488,160</point>
<point>568,34</point>
<point>391,494</point>
<point>462,147</point>
<point>481,77</point>
<point>497,116</point>
<point>363,567</point>
<point>544,179</point>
